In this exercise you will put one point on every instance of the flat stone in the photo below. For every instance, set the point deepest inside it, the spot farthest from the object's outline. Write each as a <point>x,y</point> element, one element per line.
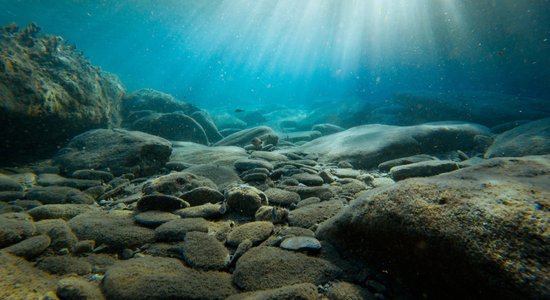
<point>327,128</point>
<point>176,183</point>
<point>254,231</point>
<point>312,214</point>
<point>9,184</point>
<point>176,230</point>
<point>93,175</point>
<point>59,195</point>
<point>206,211</point>
<point>387,165</point>
<point>281,197</point>
<point>322,192</point>
<point>60,211</point>
<point>268,156</point>
<point>160,202</point>
<point>261,177</point>
<point>247,164</point>
<point>301,243</point>
<point>154,218</point>
<point>308,201</point>
<point>423,169</point>
<point>220,175</point>
<point>269,267</point>
<point>202,195</point>
<point>62,265</point>
<point>225,156</point>
<point>57,180</point>
<point>382,181</point>
<point>345,173</point>
<point>244,137</point>
<point>304,291</point>
<point>203,251</point>
<point>113,228</point>
<point>163,278</point>
<point>29,248</point>
<point>309,179</point>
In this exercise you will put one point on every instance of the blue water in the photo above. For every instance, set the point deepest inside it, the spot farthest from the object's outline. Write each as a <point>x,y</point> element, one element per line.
<point>232,53</point>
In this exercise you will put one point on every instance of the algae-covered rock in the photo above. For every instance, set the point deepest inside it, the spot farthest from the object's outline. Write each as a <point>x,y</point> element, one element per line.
<point>172,126</point>
<point>532,138</point>
<point>481,230</point>
<point>47,85</point>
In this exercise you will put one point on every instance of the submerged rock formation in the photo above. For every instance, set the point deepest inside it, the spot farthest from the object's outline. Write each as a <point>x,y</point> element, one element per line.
<point>487,225</point>
<point>49,92</point>
<point>532,138</point>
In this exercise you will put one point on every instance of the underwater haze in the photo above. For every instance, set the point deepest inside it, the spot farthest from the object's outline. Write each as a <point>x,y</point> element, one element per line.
<point>237,52</point>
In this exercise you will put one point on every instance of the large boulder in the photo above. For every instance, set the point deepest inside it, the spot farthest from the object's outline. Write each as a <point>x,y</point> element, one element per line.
<point>528,139</point>
<point>152,100</point>
<point>483,230</point>
<point>192,153</point>
<point>204,119</point>
<point>367,146</point>
<point>49,93</point>
<point>173,126</point>
<point>117,150</point>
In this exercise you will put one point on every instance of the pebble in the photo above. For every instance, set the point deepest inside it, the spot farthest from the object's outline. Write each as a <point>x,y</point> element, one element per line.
<point>160,202</point>
<point>301,243</point>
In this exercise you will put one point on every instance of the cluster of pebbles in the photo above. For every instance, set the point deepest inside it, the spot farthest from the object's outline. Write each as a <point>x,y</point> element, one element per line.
<point>246,232</point>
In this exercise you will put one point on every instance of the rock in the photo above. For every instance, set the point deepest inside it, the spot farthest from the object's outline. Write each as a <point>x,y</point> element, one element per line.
<point>206,211</point>
<point>500,128</point>
<point>275,215</point>
<point>268,267</point>
<point>312,214</point>
<point>244,199</point>
<point>495,245</point>
<point>15,227</point>
<point>304,291</point>
<point>220,175</point>
<point>243,137</point>
<point>255,177</point>
<point>423,169</point>
<point>56,180</point>
<point>281,197</point>
<point>367,146</point>
<point>227,122</point>
<point>529,139</point>
<point>163,278</point>
<point>176,183</point>
<point>26,204</point>
<point>321,192</point>
<point>387,165</point>
<point>187,152</point>
<point>345,173</point>
<point>9,184</point>
<point>256,232</point>
<point>29,248</point>
<point>59,232</point>
<point>308,201</point>
<point>172,126</point>
<point>62,265</point>
<point>296,231</point>
<point>133,152</point>
<point>154,218</point>
<point>51,93</point>
<point>327,128</point>
<point>206,122</point>
<point>301,136</point>
<point>252,118</point>
<point>75,288</point>
<point>59,195</point>
<point>301,243</point>
<point>202,195</point>
<point>309,179</point>
<point>247,164</point>
<point>93,175</point>
<point>160,202</point>
<point>83,247</point>
<point>268,156</point>
<point>113,228</point>
<point>203,251</point>
<point>60,211</point>
<point>382,181</point>
<point>342,290</point>
<point>21,280</point>
<point>149,99</point>
<point>11,196</point>
<point>176,230</point>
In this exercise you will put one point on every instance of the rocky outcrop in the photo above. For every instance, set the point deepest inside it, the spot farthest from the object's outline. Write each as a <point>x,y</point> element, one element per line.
<point>152,100</point>
<point>482,230</point>
<point>49,92</point>
<point>367,146</point>
<point>117,150</point>
<point>171,126</point>
<point>528,139</point>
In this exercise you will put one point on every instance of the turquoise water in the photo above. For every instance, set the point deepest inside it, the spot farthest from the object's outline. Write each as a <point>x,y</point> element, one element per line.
<point>235,53</point>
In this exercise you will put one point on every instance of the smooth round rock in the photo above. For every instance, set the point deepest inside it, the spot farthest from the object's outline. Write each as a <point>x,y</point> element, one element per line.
<point>309,179</point>
<point>154,218</point>
<point>301,243</point>
<point>255,231</point>
<point>282,197</point>
<point>245,199</point>
<point>207,211</point>
<point>203,251</point>
<point>176,230</point>
<point>202,195</point>
<point>31,247</point>
<point>247,164</point>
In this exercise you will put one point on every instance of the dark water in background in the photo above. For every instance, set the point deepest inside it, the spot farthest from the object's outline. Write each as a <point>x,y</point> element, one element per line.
<point>243,52</point>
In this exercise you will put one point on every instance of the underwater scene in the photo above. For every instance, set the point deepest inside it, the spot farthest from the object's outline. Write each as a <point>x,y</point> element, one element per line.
<point>274,149</point>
